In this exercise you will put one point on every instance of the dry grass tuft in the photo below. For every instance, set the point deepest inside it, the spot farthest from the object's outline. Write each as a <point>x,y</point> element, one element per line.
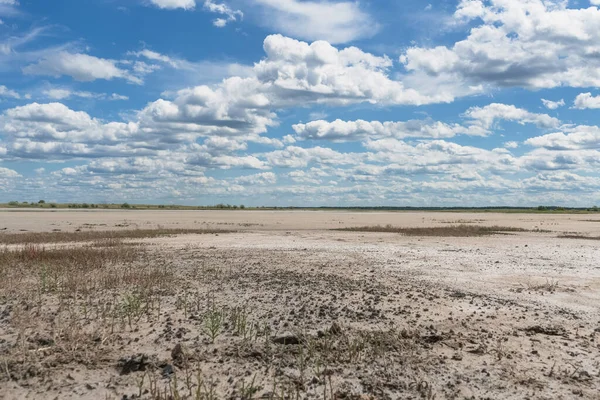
<point>89,236</point>
<point>34,269</point>
<point>580,237</point>
<point>443,231</point>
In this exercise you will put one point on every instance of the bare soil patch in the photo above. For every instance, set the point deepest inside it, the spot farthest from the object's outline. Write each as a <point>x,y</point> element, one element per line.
<point>301,314</point>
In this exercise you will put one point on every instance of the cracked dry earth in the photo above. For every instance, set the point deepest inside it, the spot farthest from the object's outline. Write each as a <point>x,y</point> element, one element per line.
<point>318,314</point>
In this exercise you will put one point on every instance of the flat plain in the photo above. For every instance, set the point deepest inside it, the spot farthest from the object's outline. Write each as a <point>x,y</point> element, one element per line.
<point>298,304</point>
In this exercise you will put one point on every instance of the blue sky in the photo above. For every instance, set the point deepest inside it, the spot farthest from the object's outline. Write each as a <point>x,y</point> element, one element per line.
<point>297,102</point>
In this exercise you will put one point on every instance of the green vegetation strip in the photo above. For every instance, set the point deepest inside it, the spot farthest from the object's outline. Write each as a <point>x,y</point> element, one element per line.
<point>88,236</point>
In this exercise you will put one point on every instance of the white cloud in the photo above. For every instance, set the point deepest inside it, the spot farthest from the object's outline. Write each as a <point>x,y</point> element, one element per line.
<point>6,92</point>
<point>172,145</point>
<point>8,173</point>
<point>553,105</point>
<point>298,72</point>
<point>586,100</point>
<point>53,130</point>
<point>485,117</point>
<point>174,4</point>
<point>438,156</point>
<point>116,96</point>
<point>340,131</point>
<point>64,93</point>
<point>81,67</point>
<point>58,94</point>
<point>480,121</point>
<point>334,21</point>
<point>154,56</point>
<point>223,9</point>
<point>298,157</point>
<point>229,14</point>
<point>265,178</point>
<point>571,138</point>
<point>543,159</point>
<point>293,73</point>
<point>220,22</point>
<point>523,43</point>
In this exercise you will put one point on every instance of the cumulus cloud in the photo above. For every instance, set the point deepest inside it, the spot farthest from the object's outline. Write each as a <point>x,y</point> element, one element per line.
<point>586,100</point>
<point>341,131</point>
<point>79,66</point>
<point>296,71</point>
<point>237,107</point>
<point>293,73</point>
<point>572,138</point>
<point>438,156</point>
<point>226,161</point>
<point>298,157</point>
<point>479,122</point>
<point>543,159</point>
<point>55,131</point>
<point>485,117</point>
<point>8,173</point>
<point>334,21</point>
<point>265,178</point>
<point>515,43</point>
<point>553,105</point>
<point>171,147</point>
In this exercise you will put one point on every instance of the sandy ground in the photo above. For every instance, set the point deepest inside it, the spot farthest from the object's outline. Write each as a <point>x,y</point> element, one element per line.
<point>69,220</point>
<point>377,315</point>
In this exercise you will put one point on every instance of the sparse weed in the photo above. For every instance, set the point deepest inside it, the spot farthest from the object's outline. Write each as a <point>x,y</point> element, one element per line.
<point>551,285</point>
<point>131,307</point>
<point>213,322</point>
<point>248,390</point>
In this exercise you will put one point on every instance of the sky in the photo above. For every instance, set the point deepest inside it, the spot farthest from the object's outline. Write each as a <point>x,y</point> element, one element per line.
<point>301,102</point>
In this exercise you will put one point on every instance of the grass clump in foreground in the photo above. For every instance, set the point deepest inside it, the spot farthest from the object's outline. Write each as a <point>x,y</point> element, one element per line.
<point>89,236</point>
<point>462,230</point>
<point>69,304</point>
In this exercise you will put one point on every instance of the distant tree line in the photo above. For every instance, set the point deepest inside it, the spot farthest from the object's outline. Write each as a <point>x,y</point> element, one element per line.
<point>221,206</point>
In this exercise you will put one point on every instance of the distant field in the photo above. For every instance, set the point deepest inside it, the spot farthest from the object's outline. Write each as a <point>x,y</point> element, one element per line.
<point>116,219</point>
<point>127,206</point>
